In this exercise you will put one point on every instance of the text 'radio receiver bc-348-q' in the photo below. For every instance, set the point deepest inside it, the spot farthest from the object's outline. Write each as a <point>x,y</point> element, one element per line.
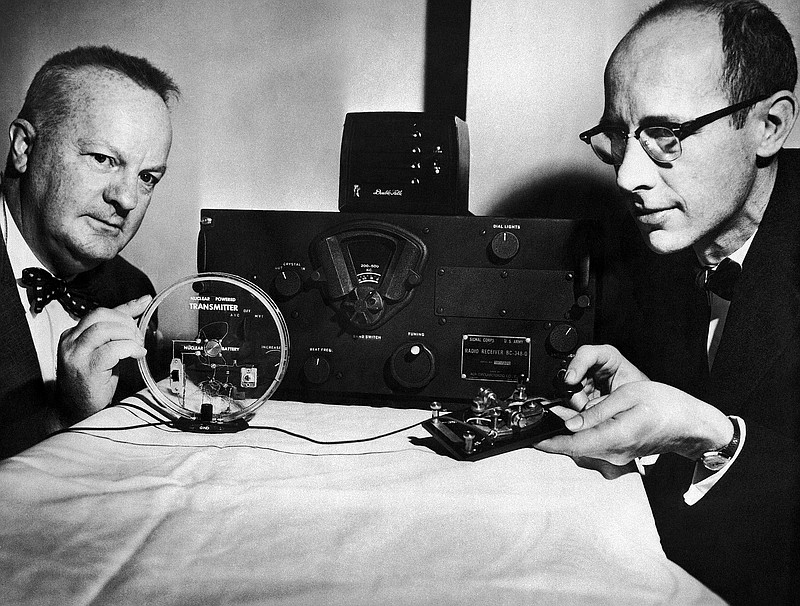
<point>402,309</point>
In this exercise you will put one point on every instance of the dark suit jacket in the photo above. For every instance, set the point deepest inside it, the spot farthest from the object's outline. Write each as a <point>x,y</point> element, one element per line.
<point>23,402</point>
<point>741,539</point>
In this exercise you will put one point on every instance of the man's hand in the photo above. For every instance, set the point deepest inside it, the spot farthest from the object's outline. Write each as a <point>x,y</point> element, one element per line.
<point>600,369</point>
<point>641,418</point>
<point>623,415</point>
<point>88,355</point>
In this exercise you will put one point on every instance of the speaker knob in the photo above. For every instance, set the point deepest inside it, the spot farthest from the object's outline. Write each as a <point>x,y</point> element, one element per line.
<point>288,283</point>
<point>317,370</point>
<point>563,339</point>
<point>412,366</point>
<point>505,246</point>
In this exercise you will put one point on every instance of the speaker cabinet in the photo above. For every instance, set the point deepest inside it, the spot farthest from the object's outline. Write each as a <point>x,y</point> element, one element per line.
<point>404,162</point>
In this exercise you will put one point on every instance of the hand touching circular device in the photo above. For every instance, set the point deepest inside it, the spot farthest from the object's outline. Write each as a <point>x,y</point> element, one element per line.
<point>221,349</point>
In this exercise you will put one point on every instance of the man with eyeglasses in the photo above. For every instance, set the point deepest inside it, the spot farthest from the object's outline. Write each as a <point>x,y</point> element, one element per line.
<point>702,391</point>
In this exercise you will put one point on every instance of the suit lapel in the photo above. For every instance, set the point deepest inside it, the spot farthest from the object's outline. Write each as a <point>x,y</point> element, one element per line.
<point>765,311</point>
<point>17,351</point>
<point>669,337</point>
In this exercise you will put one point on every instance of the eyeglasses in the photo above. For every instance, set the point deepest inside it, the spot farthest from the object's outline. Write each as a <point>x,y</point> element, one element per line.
<point>662,142</point>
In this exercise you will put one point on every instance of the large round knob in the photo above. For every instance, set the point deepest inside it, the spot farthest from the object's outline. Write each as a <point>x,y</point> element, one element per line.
<point>288,282</point>
<point>412,366</point>
<point>317,370</point>
<point>505,246</point>
<point>563,339</point>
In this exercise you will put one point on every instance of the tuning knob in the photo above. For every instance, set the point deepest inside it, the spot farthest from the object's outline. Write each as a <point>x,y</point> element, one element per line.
<point>504,246</point>
<point>412,366</point>
<point>288,283</point>
<point>317,370</point>
<point>562,340</point>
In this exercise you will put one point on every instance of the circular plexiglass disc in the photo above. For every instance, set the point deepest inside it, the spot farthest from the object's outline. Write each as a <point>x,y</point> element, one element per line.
<point>220,341</point>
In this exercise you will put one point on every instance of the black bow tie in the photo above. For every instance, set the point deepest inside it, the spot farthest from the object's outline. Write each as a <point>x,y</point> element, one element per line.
<point>43,288</point>
<point>721,280</point>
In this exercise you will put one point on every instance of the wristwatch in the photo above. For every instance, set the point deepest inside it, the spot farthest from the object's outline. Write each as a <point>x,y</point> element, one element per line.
<point>714,460</point>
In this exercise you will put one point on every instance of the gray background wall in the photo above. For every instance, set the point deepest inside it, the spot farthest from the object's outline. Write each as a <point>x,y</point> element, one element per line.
<point>266,86</point>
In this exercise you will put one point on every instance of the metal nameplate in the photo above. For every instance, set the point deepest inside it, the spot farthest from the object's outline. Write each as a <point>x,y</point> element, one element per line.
<point>495,358</point>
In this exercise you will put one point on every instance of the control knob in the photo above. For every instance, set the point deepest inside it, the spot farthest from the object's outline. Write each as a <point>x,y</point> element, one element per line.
<point>412,366</point>
<point>562,340</point>
<point>364,307</point>
<point>317,370</point>
<point>504,246</point>
<point>288,283</point>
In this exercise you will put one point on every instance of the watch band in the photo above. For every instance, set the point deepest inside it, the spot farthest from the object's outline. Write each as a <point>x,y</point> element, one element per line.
<point>714,460</point>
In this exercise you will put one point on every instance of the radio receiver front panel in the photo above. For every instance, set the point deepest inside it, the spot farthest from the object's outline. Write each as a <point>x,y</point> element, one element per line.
<point>405,309</point>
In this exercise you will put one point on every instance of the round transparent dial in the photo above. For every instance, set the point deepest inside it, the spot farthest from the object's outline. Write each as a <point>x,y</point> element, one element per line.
<point>213,339</point>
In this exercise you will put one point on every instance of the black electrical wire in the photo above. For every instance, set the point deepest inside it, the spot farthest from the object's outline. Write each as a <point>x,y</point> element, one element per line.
<point>334,442</point>
<point>147,411</point>
<point>170,424</point>
<point>123,428</point>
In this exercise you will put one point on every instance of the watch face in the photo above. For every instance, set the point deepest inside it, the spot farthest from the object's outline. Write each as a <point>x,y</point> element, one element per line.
<point>714,461</point>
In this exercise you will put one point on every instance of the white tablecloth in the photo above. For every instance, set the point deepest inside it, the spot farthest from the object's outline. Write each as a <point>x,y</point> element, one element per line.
<point>155,516</point>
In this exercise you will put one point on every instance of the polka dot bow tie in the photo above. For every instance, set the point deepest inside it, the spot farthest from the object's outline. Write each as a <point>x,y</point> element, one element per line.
<point>43,288</point>
<point>721,280</point>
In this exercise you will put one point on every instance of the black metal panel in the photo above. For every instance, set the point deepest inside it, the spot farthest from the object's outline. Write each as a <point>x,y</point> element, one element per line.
<point>503,293</point>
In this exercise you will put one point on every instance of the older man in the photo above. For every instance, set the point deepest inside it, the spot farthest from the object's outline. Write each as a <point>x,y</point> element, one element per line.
<point>87,149</point>
<point>699,102</point>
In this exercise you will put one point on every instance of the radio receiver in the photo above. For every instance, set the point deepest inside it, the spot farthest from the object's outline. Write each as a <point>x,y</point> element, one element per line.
<point>406,309</point>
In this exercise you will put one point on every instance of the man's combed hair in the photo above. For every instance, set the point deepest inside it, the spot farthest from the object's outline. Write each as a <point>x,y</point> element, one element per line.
<point>759,57</point>
<point>47,102</point>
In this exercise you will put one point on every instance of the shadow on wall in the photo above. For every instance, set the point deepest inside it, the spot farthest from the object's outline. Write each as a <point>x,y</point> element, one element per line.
<point>618,246</point>
<point>579,195</point>
<point>565,195</point>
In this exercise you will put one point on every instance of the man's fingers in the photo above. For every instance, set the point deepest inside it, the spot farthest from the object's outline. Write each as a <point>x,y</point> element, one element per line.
<point>556,445</point>
<point>562,411</point>
<point>136,307</point>
<point>108,356</point>
<point>98,334</point>
<point>594,443</point>
<point>587,358</point>
<point>579,400</point>
<point>102,319</point>
<point>600,411</point>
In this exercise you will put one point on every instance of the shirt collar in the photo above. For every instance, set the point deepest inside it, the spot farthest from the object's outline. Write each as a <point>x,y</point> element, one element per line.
<point>738,255</point>
<point>19,253</point>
